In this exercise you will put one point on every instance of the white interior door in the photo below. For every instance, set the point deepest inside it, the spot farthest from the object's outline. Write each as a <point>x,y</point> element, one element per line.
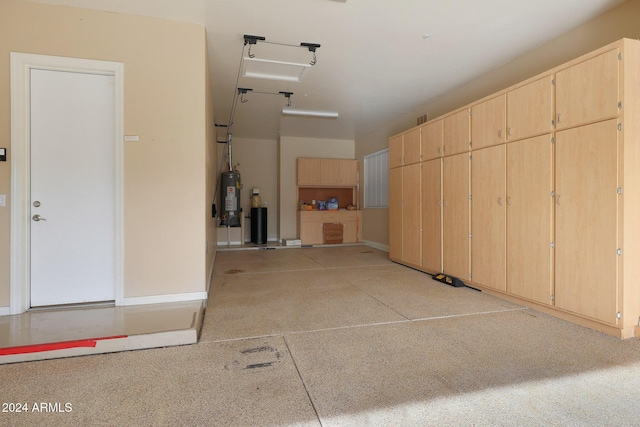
<point>72,191</point>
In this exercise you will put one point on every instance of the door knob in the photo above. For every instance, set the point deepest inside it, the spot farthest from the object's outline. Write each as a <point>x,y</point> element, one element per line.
<point>37,217</point>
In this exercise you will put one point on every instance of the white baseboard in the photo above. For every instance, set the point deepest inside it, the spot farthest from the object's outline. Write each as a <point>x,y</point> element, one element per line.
<point>5,311</point>
<point>158,299</point>
<point>376,245</point>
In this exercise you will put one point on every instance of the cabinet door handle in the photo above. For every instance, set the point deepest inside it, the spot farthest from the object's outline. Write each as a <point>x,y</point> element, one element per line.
<point>500,201</point>
<point>509,132</point>
<point>444,203</point>
<point>500,134</point>
<point>558,200</point>
<point>558,118</point>
<point>508,201</point>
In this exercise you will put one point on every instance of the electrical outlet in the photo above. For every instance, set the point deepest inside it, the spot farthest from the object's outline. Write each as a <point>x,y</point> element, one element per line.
<point>3,200</point>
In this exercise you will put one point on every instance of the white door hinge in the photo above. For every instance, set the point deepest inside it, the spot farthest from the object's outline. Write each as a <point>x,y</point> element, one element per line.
<point>619,252</point>
<point>619,126</point>
<point>619,315</point>
<point>619,190</point>
<point>553,297</point>
<point>553,244</point>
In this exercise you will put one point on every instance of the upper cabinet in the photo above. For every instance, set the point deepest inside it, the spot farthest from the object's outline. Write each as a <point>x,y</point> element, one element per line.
<point>395,151</point>
<point>404,149</point>
<point>488,121</point>
<point>432,140</point>
<point>327,172</point>
<point>411,147</point>
<point>530,109</point>
<point>588,91</point>
<point>456,135</point>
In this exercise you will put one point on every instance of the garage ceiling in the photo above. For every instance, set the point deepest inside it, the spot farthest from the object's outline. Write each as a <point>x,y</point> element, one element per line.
<point>378,59</point>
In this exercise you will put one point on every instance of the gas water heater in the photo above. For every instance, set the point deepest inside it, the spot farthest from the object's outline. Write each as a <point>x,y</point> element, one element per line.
<point>230,199</point>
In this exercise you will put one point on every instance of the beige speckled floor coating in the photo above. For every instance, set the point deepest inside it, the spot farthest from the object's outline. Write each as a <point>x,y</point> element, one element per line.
<point>342,337</point>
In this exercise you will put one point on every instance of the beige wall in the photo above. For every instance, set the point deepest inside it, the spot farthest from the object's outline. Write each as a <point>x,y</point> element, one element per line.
<point>211,161</point>
<point>257,160</point>
<point>165,104</point>
<point>289,149</point>
<point>622,21</point>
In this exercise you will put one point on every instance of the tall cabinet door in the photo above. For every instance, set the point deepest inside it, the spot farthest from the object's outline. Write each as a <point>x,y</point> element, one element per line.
<point>586,220</point>
<point>530,218</point>
<point>432,215</point>
<point>456,216</point>
<point>411,220</point>
<point>488,217</point>
<point>395,214</point>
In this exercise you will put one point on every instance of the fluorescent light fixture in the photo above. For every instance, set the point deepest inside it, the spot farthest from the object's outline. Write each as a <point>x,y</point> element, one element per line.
<point>273,70</point>
<point>309,113</point>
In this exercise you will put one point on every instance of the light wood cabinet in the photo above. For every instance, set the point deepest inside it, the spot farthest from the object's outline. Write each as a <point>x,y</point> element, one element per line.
<point>455,183</point>
<point>311,225</point>
<point>395,151</point>
<point>320,179</point>
<point>530,109</point>
<point>308,171</point>
<point>488,217</point>
<point>530,219</point>
<point>587,220</point>
<point>456,133</point>
<point>432,140</point>
<point>338,172</point>
<point>395,214</point>
<point>411,147</point>
<point>405,208</point>
<point>488,123</point>
<point>554,218</point>
<point>411,219</point>
<point>588,91</point>
<point>327,172</point>
<point>432,215</point>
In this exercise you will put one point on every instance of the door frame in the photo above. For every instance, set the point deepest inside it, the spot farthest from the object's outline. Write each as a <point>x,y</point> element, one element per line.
<point>21,65</point>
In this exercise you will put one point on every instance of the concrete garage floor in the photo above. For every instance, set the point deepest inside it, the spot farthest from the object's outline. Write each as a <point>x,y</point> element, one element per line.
<point>340,336</point>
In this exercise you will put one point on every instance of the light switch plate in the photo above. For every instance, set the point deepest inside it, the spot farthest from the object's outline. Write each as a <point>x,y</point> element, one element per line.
<point>3,200</point>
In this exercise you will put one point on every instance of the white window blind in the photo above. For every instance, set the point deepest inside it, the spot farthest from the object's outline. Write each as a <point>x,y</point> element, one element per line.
<point>376,179</point>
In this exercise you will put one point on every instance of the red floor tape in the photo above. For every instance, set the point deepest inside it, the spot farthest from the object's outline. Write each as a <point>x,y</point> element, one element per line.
<point>36,348</point>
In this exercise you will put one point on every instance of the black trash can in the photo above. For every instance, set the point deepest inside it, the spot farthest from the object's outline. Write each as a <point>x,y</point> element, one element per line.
<point>259,226</point>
